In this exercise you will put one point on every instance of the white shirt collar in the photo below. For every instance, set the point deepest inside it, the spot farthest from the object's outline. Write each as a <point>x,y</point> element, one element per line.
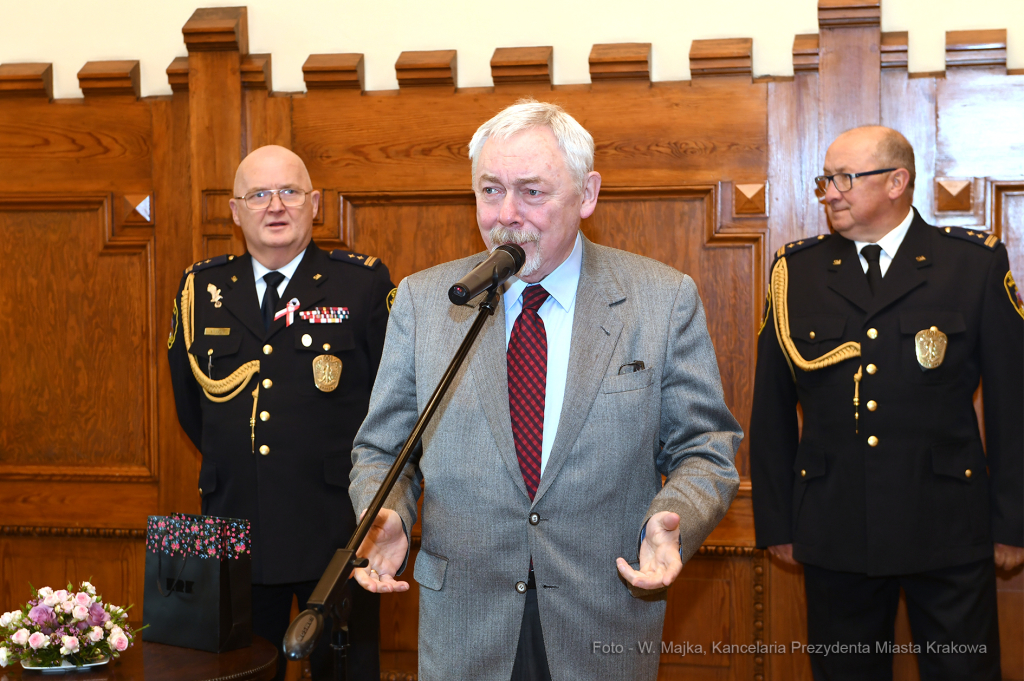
<point>890,243</point>
<point>561,284</point>
<point>259,269</point>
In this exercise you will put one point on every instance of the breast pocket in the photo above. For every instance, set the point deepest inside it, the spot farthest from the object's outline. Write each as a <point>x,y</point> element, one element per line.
<point>952,339</point>
<point>637,380</point>
<point>324,338</point>
<point>216,346</point>
<point>815,336</point>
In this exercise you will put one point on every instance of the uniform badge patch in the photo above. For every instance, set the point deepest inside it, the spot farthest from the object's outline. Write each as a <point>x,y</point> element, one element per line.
<point>1011,290</point>
<point>215,296</point>
<point>326,372</point>
<point>930,345</point>
<point>174,325</point>
<point>325,315</point>
<point>391,299</point>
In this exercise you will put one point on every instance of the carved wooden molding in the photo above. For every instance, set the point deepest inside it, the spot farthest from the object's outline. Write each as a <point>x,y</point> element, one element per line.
<point>109,78</point>
<point>216,29</point>
<point>348,202</point>
<point>522,65</point>
<point>953,195</point>
<point>26,80</point>
<point>805,52</point>
<point>620,61</point>
<point>435,68</point>
<point>998,191</point>
<point>255,70</point>
<point>849,13</point>
<point>894,50</point>
<point>750,199</point>
<point>334,72</point>
<point>760,587</point>
<point>216,209</point>
<point>728,551</point>
<point>728,57</point>
<point>136,209</point>
<point>83,532</point>
<point>177,74</point>
<point>976,48</point>
<point>727,229</point>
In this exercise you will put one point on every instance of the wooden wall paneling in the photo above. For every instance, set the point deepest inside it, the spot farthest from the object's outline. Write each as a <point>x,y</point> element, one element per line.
<point>177,74</point>
<point>334,72</point>
<point>26,80</point>
<point>110,78</point>
<point>1010,598</point>
<point>433,68</point>
<point>620,61</point>
<point>267,117</point>
<point>217,39</point>
<point>849,65</point>
<point>976,48</point>
<point>517,66</point>
<point>728,57</point>
<point>1006,209</point>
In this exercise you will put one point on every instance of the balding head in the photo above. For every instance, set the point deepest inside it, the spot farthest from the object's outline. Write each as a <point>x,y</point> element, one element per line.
<point>274,234</point>
<point>891,149</point>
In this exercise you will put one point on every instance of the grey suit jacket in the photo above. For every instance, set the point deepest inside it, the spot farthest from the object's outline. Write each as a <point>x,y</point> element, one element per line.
<point>617,435</point>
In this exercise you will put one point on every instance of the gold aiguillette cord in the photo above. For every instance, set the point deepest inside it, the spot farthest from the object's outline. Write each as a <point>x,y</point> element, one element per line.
<point>252,419</point>
<point>856,400</point>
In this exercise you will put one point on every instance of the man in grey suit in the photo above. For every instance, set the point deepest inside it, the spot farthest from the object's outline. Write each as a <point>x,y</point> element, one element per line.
<point>548,537</point>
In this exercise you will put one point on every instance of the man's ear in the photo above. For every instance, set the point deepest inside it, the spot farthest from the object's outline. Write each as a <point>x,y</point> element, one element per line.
<point>591,188</point>
<point>899,183</point>
<point>314,197</point>
<point>234,211</point>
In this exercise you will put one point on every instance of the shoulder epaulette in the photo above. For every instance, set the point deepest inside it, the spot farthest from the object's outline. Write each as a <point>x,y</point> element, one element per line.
<point>793,247</point>
<point>368,261</point>
<point>212,262</point>
<point>989,241</point>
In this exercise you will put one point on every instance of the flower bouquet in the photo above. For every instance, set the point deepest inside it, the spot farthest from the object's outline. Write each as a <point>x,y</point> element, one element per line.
<point>64,628</point>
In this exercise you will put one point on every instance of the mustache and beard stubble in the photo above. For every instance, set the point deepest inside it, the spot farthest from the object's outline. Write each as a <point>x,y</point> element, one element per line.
<point>500,235</point>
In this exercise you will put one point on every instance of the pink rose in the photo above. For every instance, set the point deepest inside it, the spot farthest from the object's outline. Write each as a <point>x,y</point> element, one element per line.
<point>51,600</point>
<point>82,598</point>
<point>38,640</point>
<point>81,612</point>
<point>20,637</point>
<point>67,606</point>
<point>95,634</point>
<point>62,595</point>
<point>118,641</point>
<point>70,644</point>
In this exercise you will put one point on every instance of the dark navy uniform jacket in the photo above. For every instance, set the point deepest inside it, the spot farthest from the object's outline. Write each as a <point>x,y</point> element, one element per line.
<point>287,470</point>
<point>911,485</point>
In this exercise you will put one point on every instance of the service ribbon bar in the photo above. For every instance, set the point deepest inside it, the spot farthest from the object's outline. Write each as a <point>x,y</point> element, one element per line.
<point>325,315</point>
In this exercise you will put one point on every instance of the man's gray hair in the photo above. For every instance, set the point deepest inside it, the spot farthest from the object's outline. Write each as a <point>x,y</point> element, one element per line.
<point>575,143</point>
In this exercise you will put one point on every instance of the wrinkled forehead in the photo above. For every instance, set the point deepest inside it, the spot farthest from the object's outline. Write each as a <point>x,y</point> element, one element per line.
<point>271,171</point>
<point>852,152</point>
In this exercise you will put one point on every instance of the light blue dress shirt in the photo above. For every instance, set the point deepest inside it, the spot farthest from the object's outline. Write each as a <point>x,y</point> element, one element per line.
<point>557,312</point>
<point>890,243</point>
<point>258,270</point>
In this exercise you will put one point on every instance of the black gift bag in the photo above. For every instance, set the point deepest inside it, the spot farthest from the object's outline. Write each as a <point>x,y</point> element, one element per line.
<point>198,582</point>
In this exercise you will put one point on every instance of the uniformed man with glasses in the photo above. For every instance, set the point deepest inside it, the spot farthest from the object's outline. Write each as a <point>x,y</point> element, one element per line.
<point>881,332</point>
<point>273,355</point>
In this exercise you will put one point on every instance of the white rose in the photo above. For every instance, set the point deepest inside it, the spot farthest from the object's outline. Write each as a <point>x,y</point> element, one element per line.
<point>70,643</point>
<point>116,631</point>
<point>108,625</point>
<point>61,595</point>
<point>20,637</point>
<point>5,657</point>
<point>51,600</point>
<point>80,612</point>
<point>89,588</point>
<point>44,592</point>
<point>67,606</point>
<point>15,617</point>
<point>95,634</point>
<point>5,619</point>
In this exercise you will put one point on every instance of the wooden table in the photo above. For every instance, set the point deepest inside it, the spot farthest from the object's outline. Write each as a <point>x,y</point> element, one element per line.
<point>147,661</point>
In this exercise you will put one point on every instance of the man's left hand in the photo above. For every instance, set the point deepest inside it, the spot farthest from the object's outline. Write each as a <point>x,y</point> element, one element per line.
<point>660,563</point>
<point>1008,557</point>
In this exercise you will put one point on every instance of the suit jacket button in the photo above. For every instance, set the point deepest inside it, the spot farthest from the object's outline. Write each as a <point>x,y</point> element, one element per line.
<point>871,369</point>
<point>521,587</point>
<point>264,450</point>
<point>264,416</point>
<point>872,405</point>
<point>267,349</point>
<point>267,383</point>
<point>873,441</point>
<point>872,334</point>
<point>534,518</point>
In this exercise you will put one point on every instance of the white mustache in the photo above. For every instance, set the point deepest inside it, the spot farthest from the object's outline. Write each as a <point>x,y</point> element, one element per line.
<point>506,235</point>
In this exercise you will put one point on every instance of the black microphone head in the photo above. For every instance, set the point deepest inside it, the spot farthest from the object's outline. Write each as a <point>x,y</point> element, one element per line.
<point>302,634</point>
<point>517,253</point>
<point>458,294</point>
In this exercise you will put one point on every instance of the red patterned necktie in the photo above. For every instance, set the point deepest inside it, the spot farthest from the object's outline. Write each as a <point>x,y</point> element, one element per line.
<point>527,378</point>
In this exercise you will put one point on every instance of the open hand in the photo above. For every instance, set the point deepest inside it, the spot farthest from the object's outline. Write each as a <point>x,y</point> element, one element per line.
<point>660,563</point>
<point>385,547</point>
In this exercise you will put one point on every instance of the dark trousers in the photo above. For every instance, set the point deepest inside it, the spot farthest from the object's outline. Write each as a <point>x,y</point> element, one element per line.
<point>952,614</point>
<point>271,610</point>
<point>531,659</point>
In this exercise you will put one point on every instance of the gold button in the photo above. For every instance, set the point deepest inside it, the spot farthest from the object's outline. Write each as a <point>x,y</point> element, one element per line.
<point>210,351</point>
<point>201,489</point>
<point>812,335</point>
<point>872,334</point>
<point>872,369</point>
<point>264,416</point>
<point>264,450</point>
<point>307,340</point>
<point>872,405</point>
<point>967,472</point>
<point>873,441</point>
<point>267,383</point>
<point>327,346</point>
<point>934,328</point>
<point>267,349</point>
<point>803,474</point>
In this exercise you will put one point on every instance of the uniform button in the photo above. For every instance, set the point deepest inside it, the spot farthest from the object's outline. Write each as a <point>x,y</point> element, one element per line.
<point>812,335</point>
<point>327,346</point>
<point>201,489</point>
<point>264,416</point>
<point>307,340</point>
<point>521,587</point>
<point>872,369</point>
<point>803,473</point>
<point>267,383</point>
<point>873,441</point>
<point>210,352</point>
<point>264,450</point>
<point>267,349</point>
<point>872,334</point>
<point>534,518</point>
<point>872,405</point>
<point>967,473</point>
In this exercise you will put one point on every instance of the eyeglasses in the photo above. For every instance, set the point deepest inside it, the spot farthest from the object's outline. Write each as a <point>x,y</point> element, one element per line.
<point>843,181</point>
<point>261,198</point>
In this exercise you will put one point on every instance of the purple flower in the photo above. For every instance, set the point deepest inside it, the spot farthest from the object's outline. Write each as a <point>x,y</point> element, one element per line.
<point>97,615</point>
<point>42,614</point>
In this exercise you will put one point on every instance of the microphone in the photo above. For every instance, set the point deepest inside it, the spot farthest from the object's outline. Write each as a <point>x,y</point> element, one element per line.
<point>503,262</point>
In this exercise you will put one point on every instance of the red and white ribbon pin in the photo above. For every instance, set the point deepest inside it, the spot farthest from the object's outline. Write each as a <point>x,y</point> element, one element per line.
<point>289,310</point>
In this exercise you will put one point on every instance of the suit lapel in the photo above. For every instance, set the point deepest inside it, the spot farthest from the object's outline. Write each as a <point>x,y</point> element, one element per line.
<point>239,295</point>
<point>302,285</point>
<point>595,332</point>
<point>847,278</point>
<point>904,273</point>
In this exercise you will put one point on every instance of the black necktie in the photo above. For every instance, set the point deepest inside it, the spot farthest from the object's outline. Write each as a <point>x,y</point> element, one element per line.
<point>270,298</point>
<point>872,253</point>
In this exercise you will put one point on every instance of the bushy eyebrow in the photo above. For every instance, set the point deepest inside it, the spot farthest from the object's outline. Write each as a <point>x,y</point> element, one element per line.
<point>520,182</point>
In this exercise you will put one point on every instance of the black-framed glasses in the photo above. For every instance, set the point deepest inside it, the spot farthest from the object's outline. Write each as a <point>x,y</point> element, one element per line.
<point>843,181</point>
<point>261,198</point>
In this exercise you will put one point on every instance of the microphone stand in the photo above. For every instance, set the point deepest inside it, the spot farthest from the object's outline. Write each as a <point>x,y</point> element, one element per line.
<point>332,594</point>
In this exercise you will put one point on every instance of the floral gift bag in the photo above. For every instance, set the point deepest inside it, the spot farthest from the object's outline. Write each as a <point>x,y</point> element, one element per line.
<point>198,582</point>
